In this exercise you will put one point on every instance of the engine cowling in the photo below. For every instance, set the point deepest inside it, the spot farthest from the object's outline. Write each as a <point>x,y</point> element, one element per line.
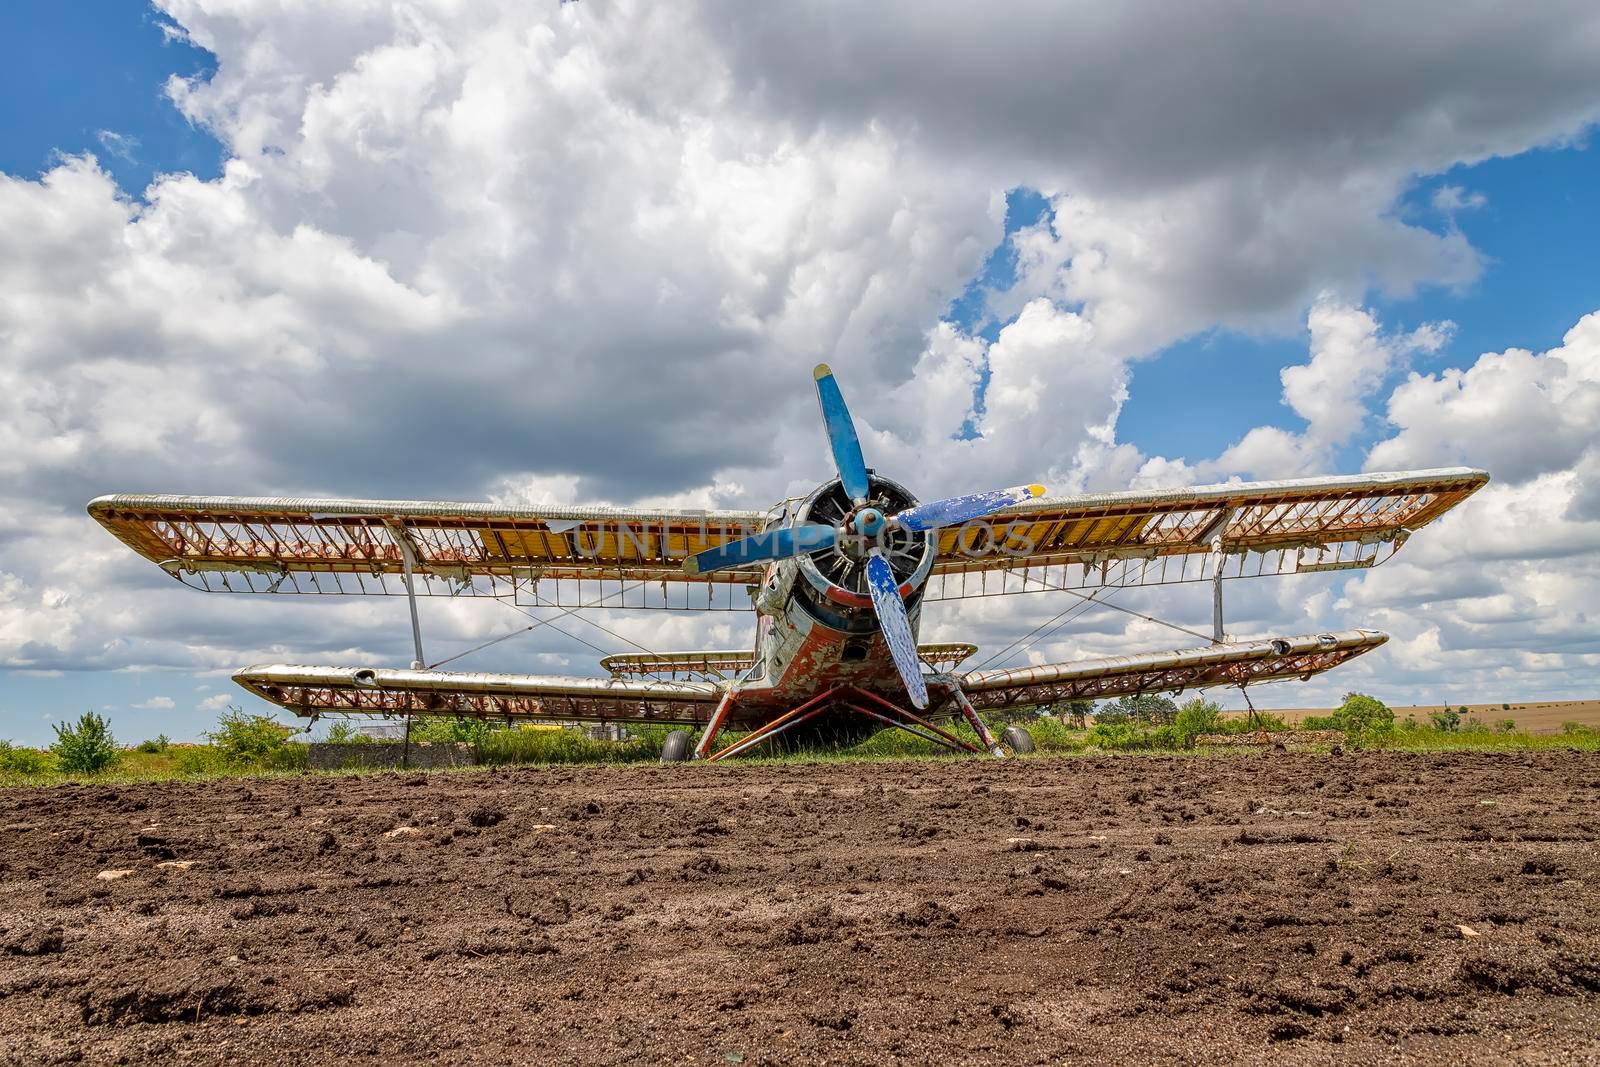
<point>833,585</point>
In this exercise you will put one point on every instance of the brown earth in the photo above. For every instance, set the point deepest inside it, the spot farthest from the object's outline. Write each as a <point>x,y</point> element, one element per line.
<point>1531,716</point>
<point>1288,907</point>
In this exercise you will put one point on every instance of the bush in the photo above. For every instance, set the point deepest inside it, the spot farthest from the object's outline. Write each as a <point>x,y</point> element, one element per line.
<point>1576,728</point>
<point>567,746</point>
<point>24,761</point>
<point>244,740</point>
<point>1049,735</point>
<point>87,748</point>
<point>1127,737</point>
<point>1446,720</point>
<point>1198,716</point>
<point>201,760</point>
<point>1507,726</point>
<point>159,743</point>
<point>451,731</point>
<point>1364,719</point>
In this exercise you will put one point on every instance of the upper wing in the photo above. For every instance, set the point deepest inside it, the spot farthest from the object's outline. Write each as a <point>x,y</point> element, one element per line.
<point>365,691</point>
<point>1183,535</point>
<point>1248,662</point>
<point>611,556</point>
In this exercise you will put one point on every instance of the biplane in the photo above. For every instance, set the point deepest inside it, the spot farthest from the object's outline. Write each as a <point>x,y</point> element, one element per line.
<point>837,579</point>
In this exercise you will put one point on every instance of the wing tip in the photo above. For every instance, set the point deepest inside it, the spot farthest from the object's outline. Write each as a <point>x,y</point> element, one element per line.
<point>1035,489</point>
<point>821,371</point>
<point>691,566</point>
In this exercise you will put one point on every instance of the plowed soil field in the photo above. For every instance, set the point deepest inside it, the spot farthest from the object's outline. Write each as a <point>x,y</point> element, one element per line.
<point>1293,907</point>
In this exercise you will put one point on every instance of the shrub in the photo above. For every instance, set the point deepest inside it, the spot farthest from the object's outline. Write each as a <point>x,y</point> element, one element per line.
<point>1446,720</point>
<point>201,760</point>
<point>87,748</point>
<point>566,746</point>
<point>1127,737</point>
<point>245,740</point>
<point>1507,725</point>
<point>24,761</point>
<point>1576,728</point>
<point>1198,716</point>
<point>1049,735</point>
<point>451,731</point>
<point>157,744</point>
<point>1364,719</point>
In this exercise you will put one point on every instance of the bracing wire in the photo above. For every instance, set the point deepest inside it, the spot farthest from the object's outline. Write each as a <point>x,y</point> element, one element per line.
<point>1087,601</point>
<point>536,624</point>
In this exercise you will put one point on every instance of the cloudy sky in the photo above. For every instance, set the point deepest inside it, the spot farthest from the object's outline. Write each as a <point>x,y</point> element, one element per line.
<point>526,250</point>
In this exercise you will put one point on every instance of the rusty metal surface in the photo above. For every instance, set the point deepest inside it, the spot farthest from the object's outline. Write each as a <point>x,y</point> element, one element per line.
<point>293,545</point>
<point>1167,537</point>
<point>941,657</point>
<point>628,557</point>
<point>1157,672</point>
<point>351,691</point>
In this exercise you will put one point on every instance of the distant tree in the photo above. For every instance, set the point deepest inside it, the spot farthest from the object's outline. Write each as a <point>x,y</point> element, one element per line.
<point>87,748</point>
<point>158,743</point>
<point>1145,709</point>
<point>1446,720</point>
<point>1075,713</point>
<point>342,733</point>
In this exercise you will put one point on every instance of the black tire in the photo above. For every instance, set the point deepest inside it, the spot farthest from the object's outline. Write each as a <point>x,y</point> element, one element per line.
<point>675,747</point>
<point>1019,740</point>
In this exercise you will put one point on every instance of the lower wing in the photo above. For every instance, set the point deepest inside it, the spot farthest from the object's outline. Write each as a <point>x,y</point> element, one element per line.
<point>367,691</point>
<point>1244,663</point>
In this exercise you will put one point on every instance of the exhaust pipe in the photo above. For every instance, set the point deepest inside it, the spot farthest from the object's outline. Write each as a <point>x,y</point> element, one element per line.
<point>366,677</point>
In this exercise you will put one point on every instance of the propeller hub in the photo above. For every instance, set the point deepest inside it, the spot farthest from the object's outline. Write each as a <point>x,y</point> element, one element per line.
<point>869,522</point>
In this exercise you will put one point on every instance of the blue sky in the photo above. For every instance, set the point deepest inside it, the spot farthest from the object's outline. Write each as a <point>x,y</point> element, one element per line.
<point>1538,229</point>
<point>90,77</point>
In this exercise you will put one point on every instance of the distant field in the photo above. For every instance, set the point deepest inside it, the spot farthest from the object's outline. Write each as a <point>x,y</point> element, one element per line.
<point>1534,716</point>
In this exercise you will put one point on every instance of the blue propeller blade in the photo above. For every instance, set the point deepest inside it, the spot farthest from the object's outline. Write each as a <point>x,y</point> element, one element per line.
<point>955,510</point>
<point>842,435</point>
<point>781,543</point>
<point>895,626</point>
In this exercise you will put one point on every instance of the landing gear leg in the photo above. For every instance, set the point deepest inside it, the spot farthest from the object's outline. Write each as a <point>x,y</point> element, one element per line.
<point>714,727</point>
<point>970,713</point>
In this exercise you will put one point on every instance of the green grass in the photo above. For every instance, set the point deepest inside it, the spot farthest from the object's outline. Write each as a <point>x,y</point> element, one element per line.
<point>569,747</point>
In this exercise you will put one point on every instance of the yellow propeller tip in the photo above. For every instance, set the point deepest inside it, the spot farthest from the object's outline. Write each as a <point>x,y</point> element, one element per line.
<point>821,371</point>
<point>1036,490</point>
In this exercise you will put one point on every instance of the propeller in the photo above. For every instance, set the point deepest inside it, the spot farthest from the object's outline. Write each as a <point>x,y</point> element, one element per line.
<point>867,522</point>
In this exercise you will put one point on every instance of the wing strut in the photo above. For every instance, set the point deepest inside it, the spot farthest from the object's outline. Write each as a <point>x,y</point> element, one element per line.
<point>409,559</point>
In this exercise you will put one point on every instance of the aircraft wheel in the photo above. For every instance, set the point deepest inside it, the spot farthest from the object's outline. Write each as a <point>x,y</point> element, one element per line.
<point>675,748</point>
<point>1019,740</point>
